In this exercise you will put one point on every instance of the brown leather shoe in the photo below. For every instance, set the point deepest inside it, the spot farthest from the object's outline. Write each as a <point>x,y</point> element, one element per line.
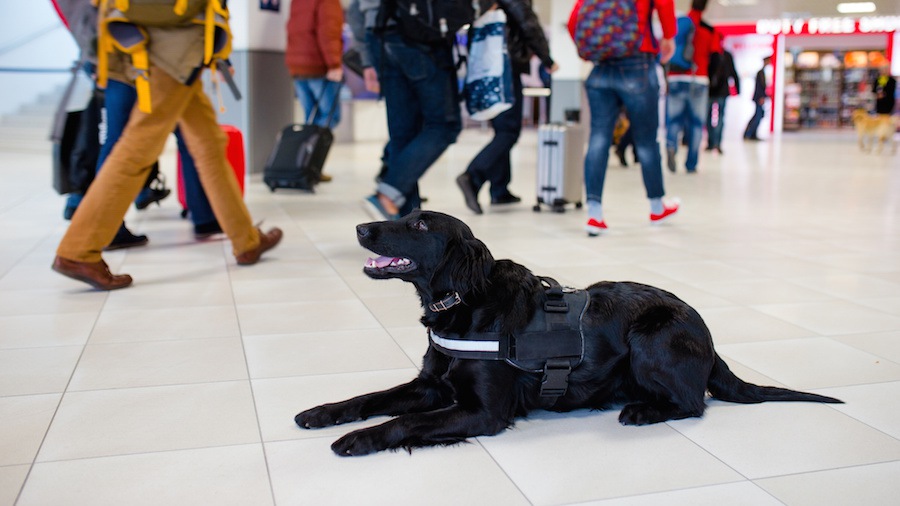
<point>267,241</point>
<point>95,274</point>
<point>324,178</point>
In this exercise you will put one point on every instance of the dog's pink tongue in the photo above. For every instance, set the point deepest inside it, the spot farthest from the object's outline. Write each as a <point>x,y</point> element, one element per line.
<point>379,262</point>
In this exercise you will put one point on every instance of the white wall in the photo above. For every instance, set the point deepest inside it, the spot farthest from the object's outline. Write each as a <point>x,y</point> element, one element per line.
<point>31,36</point>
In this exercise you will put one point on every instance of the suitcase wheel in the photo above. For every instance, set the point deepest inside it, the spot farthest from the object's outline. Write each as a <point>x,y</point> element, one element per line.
<point>536,208</point>
<point>578,205</point>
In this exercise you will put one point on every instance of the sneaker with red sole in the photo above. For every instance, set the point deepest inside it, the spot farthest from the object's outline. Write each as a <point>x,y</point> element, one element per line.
<point>595,228</point>
<point>668,211</point>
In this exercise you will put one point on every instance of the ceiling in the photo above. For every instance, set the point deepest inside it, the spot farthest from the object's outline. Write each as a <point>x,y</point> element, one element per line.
<point>752,10</point>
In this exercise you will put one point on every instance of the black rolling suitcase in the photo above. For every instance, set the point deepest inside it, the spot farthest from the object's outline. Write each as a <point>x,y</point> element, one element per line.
<point>299,154</point>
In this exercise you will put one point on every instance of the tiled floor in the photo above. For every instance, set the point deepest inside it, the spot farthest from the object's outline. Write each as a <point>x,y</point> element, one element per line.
<point>181,390</point>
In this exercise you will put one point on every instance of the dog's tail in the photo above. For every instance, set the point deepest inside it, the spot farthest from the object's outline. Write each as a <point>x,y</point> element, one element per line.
<point>725,386</point>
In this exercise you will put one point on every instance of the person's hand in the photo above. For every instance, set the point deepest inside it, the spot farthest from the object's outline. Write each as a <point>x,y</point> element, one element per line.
<point>554,68</point>
<point>335,74</point>
<point>371,79</point>
<point>666,50</point>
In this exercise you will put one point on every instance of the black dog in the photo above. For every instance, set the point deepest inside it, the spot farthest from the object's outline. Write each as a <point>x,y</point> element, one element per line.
<point>614,343</point>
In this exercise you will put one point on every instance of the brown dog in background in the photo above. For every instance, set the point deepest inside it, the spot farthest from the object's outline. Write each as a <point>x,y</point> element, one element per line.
<point>872,128</point>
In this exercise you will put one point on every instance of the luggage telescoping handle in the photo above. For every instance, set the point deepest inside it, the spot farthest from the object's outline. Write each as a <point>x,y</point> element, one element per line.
<point>335,104</point>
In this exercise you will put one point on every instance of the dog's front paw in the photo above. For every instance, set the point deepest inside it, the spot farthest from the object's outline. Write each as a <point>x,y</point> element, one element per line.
<point>357,443</point>
<point>322,416</point>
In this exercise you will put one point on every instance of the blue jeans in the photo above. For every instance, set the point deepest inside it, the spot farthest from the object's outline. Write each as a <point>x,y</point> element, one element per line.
<point>753,126</point>
<point>119,100</point>
<point>631,82</point>
<point>492,164</point>
<point>194,197</point>
<point>686,108</point>
<point>422,100</point>
<point>714,130</point>
<point>309,90</point>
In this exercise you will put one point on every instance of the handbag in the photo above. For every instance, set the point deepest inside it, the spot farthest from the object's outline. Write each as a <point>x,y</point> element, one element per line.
<point>76,141</point>
<point>488,89</point>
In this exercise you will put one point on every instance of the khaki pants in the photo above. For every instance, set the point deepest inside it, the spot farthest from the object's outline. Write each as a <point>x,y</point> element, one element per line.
<point>123,173</point>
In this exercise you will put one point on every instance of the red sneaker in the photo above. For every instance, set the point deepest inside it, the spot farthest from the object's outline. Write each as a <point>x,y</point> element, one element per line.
<point>595,228</point>
<point>668,210</point>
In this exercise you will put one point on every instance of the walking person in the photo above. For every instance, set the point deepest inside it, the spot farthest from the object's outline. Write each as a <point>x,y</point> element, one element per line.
<point>419,84</point>
<point>313,58</point>
<point>172,94</point>
<point>631,81</point>
<point>686,104</point>
<point>885,89</point>
<point>723,79</point>
<point>525,37</point>
<point>759,98</point>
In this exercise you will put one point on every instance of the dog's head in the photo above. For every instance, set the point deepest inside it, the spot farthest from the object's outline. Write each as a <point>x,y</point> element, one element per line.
<point>859,115</point>
<point>434,251</point>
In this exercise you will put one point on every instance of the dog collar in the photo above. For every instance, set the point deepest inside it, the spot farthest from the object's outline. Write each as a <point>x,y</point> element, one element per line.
<point>445,303</point>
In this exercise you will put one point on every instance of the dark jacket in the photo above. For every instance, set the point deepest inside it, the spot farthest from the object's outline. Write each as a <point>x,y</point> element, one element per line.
<point>759,92</point>
<point>722,75</point>
<point>525,36</point>
<point>884,93</point>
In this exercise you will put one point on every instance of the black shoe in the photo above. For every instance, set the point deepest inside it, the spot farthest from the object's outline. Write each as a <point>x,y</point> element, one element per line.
<point>470,193</point>
<point>156,194</point>
<point>125,239</point>
<point>207,230</point>
<point>670,159</point>
<point>509,198</point>
<point>158,191</point>
<point>622,160</point>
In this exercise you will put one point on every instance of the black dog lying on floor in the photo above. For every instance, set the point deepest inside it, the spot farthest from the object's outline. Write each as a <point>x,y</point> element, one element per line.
<point>504,342</point>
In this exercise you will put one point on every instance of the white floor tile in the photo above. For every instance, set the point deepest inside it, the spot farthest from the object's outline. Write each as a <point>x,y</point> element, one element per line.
<point>732,494</point>
<point>37,370</point>
<point>813,363</point>
<point>308,472</point>
<point>233,475</point>
<point>25,419</point>
<point>11,480</point>
<point>873,484</point>
<point>151,324</point>
<point>141,420</point>
<point>152,363</point>
<point>773,439</point>
<point>587,456</point>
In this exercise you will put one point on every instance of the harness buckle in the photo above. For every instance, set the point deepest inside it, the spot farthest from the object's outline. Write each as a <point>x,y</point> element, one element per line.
<point>556,377</point>
<point>556,306</point>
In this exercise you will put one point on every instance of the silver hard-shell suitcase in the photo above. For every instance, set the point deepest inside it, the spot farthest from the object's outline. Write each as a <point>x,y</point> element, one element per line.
<point>560,174</point>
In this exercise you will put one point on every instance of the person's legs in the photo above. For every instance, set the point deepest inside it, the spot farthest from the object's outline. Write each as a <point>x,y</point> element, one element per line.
<point>639,90</point>
<point>507,128</point>
<point>322,92</point>
<point>753,125</point>
<point>699,95</point>
<point>604,106</point>
<point>715,122</point>
<point>206,142</point>
<point>195,198</point>
<point>124,171</point>
<point>676,111</point>
<point>419,87</point>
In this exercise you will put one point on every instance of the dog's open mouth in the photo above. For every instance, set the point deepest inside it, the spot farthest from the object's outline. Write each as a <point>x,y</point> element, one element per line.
<point>395,265</point>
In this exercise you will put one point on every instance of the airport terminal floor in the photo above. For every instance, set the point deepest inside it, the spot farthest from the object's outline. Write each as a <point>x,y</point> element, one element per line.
<point>181,390</point>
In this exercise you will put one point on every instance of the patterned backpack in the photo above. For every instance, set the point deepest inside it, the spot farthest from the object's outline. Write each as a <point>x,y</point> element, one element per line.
<point>605,29</point>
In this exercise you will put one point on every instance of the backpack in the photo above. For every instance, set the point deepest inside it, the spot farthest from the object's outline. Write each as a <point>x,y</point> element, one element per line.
<point>431,22</point>
<point>122,27</point>
<point>683,59</point>
<point>605,29</point>
<point>160,12</point>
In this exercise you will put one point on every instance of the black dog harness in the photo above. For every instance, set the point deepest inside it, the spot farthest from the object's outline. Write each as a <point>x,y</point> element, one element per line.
<point>551,343</point>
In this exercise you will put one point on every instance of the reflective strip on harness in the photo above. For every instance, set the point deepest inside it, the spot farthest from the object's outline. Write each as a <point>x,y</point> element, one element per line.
<point>464,344</point>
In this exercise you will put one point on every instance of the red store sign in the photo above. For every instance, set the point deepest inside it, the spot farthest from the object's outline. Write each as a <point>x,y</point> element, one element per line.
<point>829,26</point>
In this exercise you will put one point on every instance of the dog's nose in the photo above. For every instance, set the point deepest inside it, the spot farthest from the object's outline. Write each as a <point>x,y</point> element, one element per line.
<point>362,231</point>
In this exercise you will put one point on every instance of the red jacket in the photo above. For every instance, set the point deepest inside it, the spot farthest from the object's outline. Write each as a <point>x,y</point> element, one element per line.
<point>706,42</point>
<point>314,37</point>
<point>665,11</point>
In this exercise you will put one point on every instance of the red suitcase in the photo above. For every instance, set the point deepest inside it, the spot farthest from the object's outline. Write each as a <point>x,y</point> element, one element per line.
<point>235,154</point>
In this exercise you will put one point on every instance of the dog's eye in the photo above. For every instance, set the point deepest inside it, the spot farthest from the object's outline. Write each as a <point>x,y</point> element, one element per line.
<point>420,226</point>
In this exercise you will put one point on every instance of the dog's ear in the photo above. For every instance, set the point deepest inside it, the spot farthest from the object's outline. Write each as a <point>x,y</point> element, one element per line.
<point>465,268</point>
